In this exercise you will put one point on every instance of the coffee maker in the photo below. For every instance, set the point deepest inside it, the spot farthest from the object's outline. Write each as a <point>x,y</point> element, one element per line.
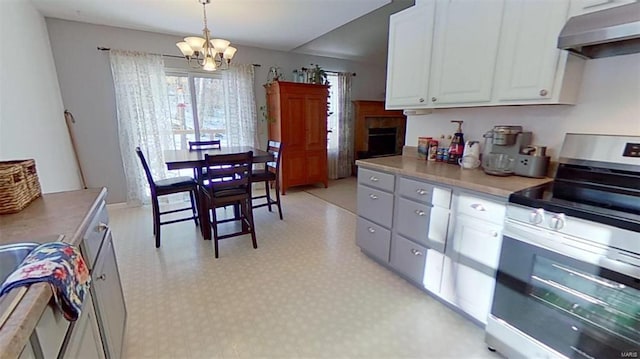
<point>502,147</point>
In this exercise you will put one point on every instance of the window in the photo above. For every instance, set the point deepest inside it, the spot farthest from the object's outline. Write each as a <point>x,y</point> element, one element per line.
<point>196,103</point>
<point>332,119</point>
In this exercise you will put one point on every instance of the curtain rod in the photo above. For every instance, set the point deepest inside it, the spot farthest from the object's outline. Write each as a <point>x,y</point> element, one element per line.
<point>336,72</point>
<point>165,55</point>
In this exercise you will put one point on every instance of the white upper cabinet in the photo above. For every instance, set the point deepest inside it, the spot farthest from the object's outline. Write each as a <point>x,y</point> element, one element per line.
<point>408,63</point>
<point>462,53</point>
<point>465,47</point>
<point>528,60</point>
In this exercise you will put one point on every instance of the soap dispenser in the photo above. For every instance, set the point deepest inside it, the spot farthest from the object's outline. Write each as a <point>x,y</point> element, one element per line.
<point>456,148</point>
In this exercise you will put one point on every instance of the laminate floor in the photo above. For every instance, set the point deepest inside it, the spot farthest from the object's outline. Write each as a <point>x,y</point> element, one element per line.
<point>306,292</point>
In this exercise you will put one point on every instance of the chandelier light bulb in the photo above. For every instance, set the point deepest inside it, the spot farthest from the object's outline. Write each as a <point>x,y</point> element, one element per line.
<point>209,64</point>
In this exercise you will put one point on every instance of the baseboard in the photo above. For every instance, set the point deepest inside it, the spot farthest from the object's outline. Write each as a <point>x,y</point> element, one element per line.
<point>120,205</point>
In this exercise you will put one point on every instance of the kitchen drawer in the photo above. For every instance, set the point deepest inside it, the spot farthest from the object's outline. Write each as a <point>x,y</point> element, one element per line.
<point>412,219</point>
<point>408,258</point>
<point>377,179</point>
<point>481,208</point>
<point>373,239</point>
<point>424,192</point>
<point>375,205</point>
<point>92,239</point>
<point>415,190</point>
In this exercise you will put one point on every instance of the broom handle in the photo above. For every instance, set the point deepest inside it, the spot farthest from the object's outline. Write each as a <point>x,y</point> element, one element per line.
<point>68,116</point>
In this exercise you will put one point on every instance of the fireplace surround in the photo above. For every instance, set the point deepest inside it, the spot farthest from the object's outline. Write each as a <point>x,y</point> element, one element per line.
<point>375,128</point>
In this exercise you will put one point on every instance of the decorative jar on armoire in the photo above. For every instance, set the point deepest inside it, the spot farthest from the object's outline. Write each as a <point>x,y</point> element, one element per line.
<point>297,114</point>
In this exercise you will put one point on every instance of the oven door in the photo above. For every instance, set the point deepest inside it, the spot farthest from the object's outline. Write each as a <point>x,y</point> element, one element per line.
<point>578,309</point>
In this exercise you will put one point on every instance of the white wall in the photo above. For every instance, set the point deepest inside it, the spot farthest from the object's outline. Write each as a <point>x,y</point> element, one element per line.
<point>609,103</point>
<point>87,87</point>
<point>31,112</point>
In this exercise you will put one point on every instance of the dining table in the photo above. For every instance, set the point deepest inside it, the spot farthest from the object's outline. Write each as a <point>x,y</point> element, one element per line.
<point>194,159</point>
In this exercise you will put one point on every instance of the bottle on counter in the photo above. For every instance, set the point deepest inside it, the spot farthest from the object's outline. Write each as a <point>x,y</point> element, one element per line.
<point>432,151</point>
<point>456,148</point>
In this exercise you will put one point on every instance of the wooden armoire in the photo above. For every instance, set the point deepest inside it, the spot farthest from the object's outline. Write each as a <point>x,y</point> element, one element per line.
<point>297,116</point>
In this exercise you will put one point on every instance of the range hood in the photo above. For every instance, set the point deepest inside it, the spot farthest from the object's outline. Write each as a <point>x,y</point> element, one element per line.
<point>610,32</point>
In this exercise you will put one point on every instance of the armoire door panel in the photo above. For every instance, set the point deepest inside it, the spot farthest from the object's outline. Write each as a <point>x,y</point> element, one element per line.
<point>293,122</point>
<point>316,122</point>
<point>296,168</point>
<point>317,166</point>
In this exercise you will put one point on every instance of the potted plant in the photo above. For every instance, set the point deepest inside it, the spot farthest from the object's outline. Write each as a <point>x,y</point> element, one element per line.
<point>318,75</point>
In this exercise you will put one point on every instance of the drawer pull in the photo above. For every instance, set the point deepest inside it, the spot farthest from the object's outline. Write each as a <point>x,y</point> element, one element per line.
<point>416,252</point>
<point>373,196</point>
<point>419,212</point>
<point>494,234</point>
<point>421,192</point>
<point>371,230</point>
<point>374,179</point>
<point>478,207</point>
<point>102,277</point>
<point>102,226</point>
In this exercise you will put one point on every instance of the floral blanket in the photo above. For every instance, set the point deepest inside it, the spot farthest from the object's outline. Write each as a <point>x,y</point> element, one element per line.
<point>62,266</point>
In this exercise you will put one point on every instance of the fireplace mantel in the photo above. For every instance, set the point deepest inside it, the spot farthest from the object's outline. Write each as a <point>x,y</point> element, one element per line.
<point>372,114</point>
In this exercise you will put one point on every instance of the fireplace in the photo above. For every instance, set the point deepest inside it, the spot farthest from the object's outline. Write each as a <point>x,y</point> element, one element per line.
<point>382,141</point>
<point>378,132</point>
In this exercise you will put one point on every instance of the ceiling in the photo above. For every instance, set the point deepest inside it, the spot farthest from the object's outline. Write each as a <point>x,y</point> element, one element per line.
<point>334,28</point>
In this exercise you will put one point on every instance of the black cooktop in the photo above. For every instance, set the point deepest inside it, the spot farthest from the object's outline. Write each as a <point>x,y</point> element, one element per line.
<point>582,201</point>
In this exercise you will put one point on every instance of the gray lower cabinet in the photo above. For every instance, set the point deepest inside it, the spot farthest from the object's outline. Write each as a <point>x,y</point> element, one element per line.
<point>375,205</point>
<point>408,258</point>
<point>412,219</point>
<point>373,239</point>
<point>109,300</point>
<point>85,341</point>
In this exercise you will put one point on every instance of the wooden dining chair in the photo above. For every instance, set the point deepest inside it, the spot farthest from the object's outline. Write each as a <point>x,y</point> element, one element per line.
<point>203,145</point>
<point>270,175</point>
<point>229,183</point>
<point>165,187</point>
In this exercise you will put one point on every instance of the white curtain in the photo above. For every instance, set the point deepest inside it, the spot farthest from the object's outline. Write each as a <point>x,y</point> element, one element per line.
<point>240,105</point>
<point>143,117</point>
<point>341,139</point>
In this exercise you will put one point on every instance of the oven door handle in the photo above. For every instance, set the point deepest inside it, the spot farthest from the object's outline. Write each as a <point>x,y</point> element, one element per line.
<point>562,244</point>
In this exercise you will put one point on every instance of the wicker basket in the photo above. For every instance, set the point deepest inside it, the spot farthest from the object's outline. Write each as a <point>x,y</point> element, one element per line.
<point>19,185</point>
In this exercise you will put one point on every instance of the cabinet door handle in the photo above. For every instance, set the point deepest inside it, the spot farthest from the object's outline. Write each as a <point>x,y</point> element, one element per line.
<point>371,230</point>
<point>543,92</point>
<point>494,234</point>
<point>373,196</point>
<point>102,276</point>
<point>374,179</point>
<point>478,207</point>
<point>434,99</point>
<point>102,226</point>
<point>421,192</point>
<point>416,252</point>
<point>419,212</point>
<point>421,99</point>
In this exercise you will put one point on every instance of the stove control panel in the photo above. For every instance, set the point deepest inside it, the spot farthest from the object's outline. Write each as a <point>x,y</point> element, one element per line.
<point>631,150</point>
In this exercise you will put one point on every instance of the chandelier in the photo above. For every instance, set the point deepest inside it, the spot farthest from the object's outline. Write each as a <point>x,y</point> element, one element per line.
<point>205,52</point>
